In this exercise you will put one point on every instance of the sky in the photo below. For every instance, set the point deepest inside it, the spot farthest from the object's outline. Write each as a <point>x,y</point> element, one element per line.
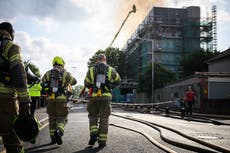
<point>76,29</point>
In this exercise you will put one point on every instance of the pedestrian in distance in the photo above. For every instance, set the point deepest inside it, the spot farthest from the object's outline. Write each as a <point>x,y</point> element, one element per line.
<point>56,81</point>
<point>100,80</point>
<point>14,96</point>
<point>189,100</point>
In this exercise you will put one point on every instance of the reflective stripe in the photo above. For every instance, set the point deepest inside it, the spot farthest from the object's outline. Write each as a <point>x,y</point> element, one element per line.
<point>52,132</point>
<point>64,76</point>
<point>61,126</point>
<point>102,137</point>
<point>6,49</point>
<point>93,126</point>
<point>109,73</point>
<point>91,74</point>
<point>23,94</point>
<point>117,77</point>
<point>46,77</point>
<point>93,129</point>
<point>6,90</point>
<point>106,94</point>
<point>61,97</point>
<point>106,88</point>
<point>87,80</point>
<point>71,80</point>
<point>14,58</point>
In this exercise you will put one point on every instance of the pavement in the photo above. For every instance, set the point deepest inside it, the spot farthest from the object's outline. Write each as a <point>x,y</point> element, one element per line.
<point>216,136</point>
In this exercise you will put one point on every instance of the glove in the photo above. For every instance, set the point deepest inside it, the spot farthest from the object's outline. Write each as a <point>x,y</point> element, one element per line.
<point>24,109</point>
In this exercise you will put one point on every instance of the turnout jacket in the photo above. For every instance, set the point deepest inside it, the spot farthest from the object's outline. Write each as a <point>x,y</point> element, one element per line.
<point>112,76</point>
<point>15,70</point>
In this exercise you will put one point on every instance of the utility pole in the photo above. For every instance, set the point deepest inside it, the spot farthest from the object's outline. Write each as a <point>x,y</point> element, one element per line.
<point>132,11</point>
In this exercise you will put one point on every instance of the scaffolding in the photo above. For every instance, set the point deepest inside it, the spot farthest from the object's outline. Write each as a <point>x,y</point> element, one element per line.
<point>209,32</point>
<point>214,29</point>
<point>173,33</point>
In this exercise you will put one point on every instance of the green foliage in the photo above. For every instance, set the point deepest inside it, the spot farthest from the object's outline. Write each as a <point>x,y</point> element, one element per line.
<point>78,89</point>
<point>32,67</point>
<point>162,76</point>
<point>196,62</point>
<point>93,59</point>
<point>115,58</point>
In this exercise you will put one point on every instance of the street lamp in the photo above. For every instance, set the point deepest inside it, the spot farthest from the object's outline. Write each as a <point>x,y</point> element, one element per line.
<point>152,60</point>
<point>132,11</point>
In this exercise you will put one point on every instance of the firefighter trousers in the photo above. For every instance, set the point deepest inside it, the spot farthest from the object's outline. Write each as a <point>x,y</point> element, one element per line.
<point>8,110</point>
<point>58,112</point>
<point>98,112</point>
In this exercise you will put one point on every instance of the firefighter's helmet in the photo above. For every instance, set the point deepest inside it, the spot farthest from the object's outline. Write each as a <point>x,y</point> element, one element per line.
<point>57,60</point>
<point>7,27</point>
<point>26,128</point>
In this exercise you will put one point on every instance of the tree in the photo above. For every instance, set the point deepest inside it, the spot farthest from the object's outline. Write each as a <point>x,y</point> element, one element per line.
<point>162,76</point>
<point>32,67</point>
<point>196,62</point>
<point>115,58</point>
<point>77,90</point>
<point>93,59</point>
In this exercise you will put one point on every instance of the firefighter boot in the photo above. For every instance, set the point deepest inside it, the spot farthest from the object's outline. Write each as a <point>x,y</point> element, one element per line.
<point>101,145</point>
<point>92,140</point>
<point>53,141</point>
<point>58,136</point>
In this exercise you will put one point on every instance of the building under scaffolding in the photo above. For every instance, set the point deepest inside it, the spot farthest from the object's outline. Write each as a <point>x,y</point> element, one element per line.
<point>166,35</point>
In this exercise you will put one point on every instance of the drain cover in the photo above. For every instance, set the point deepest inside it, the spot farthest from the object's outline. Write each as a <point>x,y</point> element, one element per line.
<point>209,136</point>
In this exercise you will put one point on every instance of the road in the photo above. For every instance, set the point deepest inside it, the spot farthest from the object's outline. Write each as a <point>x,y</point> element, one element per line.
<point>75,139</point>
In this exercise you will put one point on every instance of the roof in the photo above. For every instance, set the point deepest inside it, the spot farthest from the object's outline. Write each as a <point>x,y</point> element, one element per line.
<point>212,74</point>
<point>221,55</point>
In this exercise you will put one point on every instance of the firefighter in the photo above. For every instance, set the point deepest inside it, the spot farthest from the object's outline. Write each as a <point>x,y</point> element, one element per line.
<point>57,80</point>
<point>100,79</point>
<point>14,95</point>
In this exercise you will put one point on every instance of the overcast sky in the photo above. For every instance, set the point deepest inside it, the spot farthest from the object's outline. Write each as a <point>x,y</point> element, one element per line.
<point>76,29</point>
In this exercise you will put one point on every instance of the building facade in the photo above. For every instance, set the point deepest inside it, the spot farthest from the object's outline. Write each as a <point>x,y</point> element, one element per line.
<point>220,63</point>
<point>166,35</point>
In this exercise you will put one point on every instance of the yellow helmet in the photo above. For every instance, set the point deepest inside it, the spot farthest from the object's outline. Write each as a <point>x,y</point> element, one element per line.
<point>58,61</point>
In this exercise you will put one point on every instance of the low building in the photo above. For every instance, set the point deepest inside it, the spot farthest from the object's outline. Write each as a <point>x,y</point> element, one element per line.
<point>220,63</point>
<point>212,90</point>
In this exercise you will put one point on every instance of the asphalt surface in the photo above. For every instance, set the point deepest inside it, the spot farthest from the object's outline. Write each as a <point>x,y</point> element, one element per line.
<point>75,139</point>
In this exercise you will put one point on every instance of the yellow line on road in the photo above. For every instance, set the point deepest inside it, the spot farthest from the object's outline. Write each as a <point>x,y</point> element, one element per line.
<point>43,126</point>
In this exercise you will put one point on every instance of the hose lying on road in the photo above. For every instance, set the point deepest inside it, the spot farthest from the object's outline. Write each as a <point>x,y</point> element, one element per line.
<point>186,146</point>
<point>149,138</point>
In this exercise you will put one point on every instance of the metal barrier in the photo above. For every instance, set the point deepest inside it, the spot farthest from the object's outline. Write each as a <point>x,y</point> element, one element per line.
<point>146,106</point>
